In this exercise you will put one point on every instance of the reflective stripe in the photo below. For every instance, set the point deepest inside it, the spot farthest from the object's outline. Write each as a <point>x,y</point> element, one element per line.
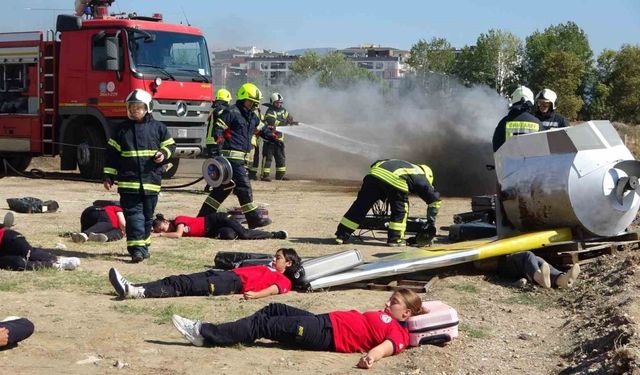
<point>513,128</point>
<point>436,204</point>
<point>136,242</point>
<point>167,151</point>
<point>136,186</point>
<point>246,208</point>
<point>281,169</point>
<point>114,144</point>
<point>389,178</point>
<point>108,170</point>
<point>349,224</point>
<point>222,124</point>
<point>212,203</point>
<point>401,226</point>
<point>167,142</point>
<point>148,240</point>
<point>266,170</point>
<point>412,171</point>
<point>138,153</point>
<point>397,226</point>
<point>233,154</point>
<point>270,114</point>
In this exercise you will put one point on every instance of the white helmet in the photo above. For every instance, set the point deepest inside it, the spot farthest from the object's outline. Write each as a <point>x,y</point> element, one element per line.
<point>520,93</point>
<point>276,97</point>
<point>140,96</point>
<point>549,96</point>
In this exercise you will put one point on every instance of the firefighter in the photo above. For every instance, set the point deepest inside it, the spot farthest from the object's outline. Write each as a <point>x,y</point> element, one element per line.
<point>136,152</point>
<point>391,180</point>
<point>519,120</point>
<point>546,111</point>
<point>213,141</point>
<point>237,124</point>
<point>276,115</point>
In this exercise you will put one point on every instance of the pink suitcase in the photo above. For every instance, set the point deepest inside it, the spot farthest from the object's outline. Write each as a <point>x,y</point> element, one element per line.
<point>438,326</point>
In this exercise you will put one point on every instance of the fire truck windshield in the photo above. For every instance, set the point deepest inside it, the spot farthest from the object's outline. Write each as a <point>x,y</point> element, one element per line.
<point>180,57</point>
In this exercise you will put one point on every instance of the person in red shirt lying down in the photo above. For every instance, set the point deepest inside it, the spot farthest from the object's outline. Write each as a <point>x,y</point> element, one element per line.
<point>252,281</point>
<point>216,225</point>
<point>379,333</point>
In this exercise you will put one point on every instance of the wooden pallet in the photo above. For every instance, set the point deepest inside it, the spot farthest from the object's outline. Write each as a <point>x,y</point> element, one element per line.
<point>571,252</point>
<point>418,286</point>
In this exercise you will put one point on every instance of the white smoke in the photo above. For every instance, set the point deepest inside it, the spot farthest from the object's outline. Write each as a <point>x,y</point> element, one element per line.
<point>351,128</point>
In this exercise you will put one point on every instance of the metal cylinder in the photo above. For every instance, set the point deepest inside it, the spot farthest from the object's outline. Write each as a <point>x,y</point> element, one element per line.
<point>568,177</point>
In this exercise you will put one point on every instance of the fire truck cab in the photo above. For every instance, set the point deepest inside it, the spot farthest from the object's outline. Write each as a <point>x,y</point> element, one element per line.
<point>61,93</point>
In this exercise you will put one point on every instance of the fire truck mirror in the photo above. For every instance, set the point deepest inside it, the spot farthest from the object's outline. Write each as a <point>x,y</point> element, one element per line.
<point>67,22</point>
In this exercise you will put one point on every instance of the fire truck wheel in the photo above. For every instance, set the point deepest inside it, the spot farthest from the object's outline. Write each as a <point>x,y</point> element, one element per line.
<point>90,152</point>
<point>172,168</point>
<point>18,163</point>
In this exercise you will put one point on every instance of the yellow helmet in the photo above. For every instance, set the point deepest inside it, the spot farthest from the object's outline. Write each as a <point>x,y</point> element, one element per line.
<point>224,95</point>
<point>428,172</point>
<point>249,91</point>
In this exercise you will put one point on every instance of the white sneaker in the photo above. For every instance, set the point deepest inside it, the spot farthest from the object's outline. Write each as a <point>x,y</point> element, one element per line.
<point>567,279</point>
<point>118,282</point>
<point>79,237</point>
<point>543,276</point>
<point>132,291</point>
<point>10,318</point>
<point>98,237</point>
<point>67,263</point>
<point>9,219</point>
<point>190,329</point>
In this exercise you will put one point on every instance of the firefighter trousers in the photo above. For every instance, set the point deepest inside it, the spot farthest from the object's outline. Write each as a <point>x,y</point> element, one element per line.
<point>372,190</point>
<point>138,211</point>
<point>273,150</point>
<point>242,190</point>
<point>278,322</point>
<point>255,163</point>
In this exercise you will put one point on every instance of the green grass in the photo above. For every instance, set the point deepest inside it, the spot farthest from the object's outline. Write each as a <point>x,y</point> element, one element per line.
<point>10,286</point>
<point>50,278</point>
<point>467,288</point>
<point>475,332</point>
<point>528,299</point>
<point>161,314</point>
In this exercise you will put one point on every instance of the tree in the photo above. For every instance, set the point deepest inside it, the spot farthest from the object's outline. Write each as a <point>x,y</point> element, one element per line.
<point>331,70</point>
<point>624,96</point>
<point>495,61</point>
<point>598,107</point>
<point>562,75</point>
<point>436,55</point>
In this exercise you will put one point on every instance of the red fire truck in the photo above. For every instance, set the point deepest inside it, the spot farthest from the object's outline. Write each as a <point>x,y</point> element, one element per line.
<point>60,92</point>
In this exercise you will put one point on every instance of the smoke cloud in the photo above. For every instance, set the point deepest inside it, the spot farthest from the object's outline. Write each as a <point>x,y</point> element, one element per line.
<point>345,130</point>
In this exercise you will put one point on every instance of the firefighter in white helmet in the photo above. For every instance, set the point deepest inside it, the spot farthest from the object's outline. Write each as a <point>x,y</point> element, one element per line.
<point>136,152</point>
<point>519,120</point>
<point>275,116</point>
<point>546,110</point>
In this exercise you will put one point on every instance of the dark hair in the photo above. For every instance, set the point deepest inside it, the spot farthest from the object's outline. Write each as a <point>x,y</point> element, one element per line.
<point>158,220</point>
<point>290,255</point>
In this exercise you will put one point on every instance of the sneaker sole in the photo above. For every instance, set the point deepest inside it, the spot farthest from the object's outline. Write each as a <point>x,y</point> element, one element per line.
<point>194,340</point>
<point>113,278</point>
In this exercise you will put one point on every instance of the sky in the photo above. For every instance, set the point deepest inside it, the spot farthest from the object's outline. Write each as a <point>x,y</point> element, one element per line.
<point>287,24</point>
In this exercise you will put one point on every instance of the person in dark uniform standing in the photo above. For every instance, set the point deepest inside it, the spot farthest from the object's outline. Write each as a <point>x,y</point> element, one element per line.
<point>135,155</point>
<point>519,120</point>
<point>237,125</point>
<point>391,180</point>
<point>276,115</point>
<point>546,111</point>
<point>214,137</point>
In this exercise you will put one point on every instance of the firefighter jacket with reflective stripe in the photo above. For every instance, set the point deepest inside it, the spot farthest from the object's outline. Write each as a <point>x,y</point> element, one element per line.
<point>518,121</point>
<point>238,125</point>
<point>130,153</point>
<point>275,117</point>
<point>406,177</point>
<point>214,133</point>
<point>551,120</point>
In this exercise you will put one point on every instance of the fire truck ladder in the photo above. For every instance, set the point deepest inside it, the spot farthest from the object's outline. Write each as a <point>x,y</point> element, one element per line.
<point>48,95</point>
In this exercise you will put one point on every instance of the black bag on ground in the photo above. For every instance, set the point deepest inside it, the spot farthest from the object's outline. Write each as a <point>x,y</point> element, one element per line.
<point>228,260</point>
<point>471,231</point>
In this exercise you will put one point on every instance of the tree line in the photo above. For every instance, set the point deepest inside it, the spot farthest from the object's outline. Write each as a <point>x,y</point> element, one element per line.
<point>559,58</point>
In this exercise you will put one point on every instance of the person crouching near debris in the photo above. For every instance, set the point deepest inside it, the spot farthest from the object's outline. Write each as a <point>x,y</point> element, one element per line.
<point>136,152</point>
<point>252,281</point>
<point>100,224</point>
<point>379,333</point>
<point>17,254</point>
<point>392,180</point>
<point>216,225</point>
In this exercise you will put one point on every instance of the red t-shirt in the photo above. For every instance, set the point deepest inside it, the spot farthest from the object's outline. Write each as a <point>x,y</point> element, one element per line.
<point>1,234</point>
<point>356,332</point>
<point>193,226</point>
<point>257,278</point>
<point>112,212</point>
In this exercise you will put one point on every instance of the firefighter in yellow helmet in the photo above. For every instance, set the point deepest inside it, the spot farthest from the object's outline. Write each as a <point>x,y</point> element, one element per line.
<point>214,134</point>
<point>275,116</point>
<point>237,124</point>
<point>391,180</point>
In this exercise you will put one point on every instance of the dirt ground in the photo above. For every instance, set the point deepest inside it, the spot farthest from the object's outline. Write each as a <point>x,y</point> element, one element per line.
<point>82,329</point>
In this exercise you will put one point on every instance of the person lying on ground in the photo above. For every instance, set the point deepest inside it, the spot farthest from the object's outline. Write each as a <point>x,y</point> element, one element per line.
<point>216,225</point>
<point>100,224</point>
<point>526,267</point>
<point>17,254</point>
<point>14,329</point>
<point>379,333</point>
<point>253,281</point>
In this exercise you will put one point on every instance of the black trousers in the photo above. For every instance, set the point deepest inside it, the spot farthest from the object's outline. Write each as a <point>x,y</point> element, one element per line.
<point>138,211</point>
<point>255,163</point>
<point>278,322</point>
<point>524,264</point>
<point>223,226</point>
<point>274,150</point>
<point>372,190</point>
<point>196,284</point>
<point>95,220</point>
<point>19,330</point>
<point>17,254</point>
<point>242,190</point>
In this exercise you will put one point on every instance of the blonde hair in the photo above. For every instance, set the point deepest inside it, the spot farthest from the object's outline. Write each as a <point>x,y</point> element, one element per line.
<point>412,300</point>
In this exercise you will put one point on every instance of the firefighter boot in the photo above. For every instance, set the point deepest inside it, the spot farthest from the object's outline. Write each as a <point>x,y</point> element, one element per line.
<point>265,177</point>
<point>280,176</point>
<point>253,175</point>
<point>255,221</point>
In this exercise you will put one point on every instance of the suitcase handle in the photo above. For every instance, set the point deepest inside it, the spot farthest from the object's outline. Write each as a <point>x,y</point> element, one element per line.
<point>435,339</point>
